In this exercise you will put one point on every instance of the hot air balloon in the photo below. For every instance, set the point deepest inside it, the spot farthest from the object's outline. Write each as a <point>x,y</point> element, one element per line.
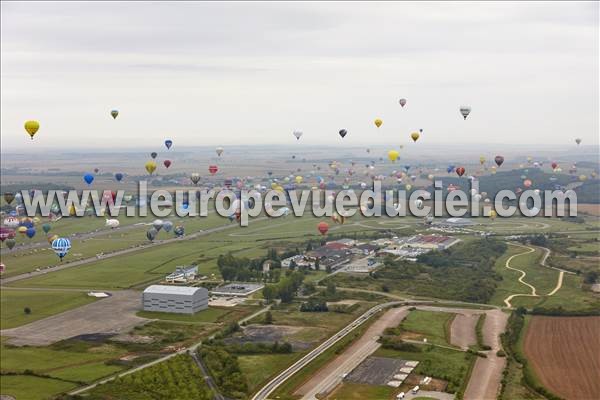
<point>112,223</point>
<point>6,233</point>
<point>10,243</point>
<point>150,167</point>
<point>213,169</point>
<point>195,177</point>
<point>415,136</point>
<point>499,160</point>
<point>465,111</point>
<point>481,160</point>
<point>61,247</point>
<point>168,143</point>
<point>460,171</point>
<point>32,127</point>
<point>11,222</point>
<point>167,163</point>
<point>527,183</point>
<point>153,155</point>
<point>343,133</point>
<point>393,155</point>
<point>151,234</point>
<point>9,197</point>
<point>298,134</point>
<point>88,178</point>
<point>492,214</point>
<point>554,165</point>
<point>323,228</point>
<point>46,227</point>
<point>219,151</point>
<point>338,219</point>
<point>578,141</point>
<point>179,231</point>
<point>118,176</point>
<point>114,113</point>
<point>582,178</point>
<point>157,224</point>
<point>378,122</point>
<point>299,179</point>
<point>167,226</point>
<point>402,102</point>
<point>30,232</point>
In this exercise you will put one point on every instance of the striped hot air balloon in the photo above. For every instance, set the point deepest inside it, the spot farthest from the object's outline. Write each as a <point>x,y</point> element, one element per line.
<point>61,247</point>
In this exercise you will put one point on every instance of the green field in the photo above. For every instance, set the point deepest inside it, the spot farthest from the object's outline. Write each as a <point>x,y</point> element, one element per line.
<point>435,326</point>
<point>259,368</point>
<point>210,315</point>
<point>43,303</point>
<point>356,391</point>
<point>32,387</point>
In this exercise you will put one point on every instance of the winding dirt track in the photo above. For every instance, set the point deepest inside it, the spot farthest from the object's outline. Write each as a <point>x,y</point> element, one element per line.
<point>523,275</point>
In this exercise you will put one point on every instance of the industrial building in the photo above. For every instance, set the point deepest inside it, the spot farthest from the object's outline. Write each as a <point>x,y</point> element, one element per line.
<point>183,274</point>
<point>242,289</point>
<point>175,299</point>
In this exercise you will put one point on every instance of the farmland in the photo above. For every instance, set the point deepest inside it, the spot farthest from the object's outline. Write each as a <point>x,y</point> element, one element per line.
<point>563,354</point>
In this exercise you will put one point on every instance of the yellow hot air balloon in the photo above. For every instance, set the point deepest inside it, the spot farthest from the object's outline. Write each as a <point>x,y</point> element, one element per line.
<point>32,127</point>
<point>52,238</point>
<point>150,167</point>
<point>493,214</point>
<point>415,136</point>
<point>408,187</point>
<point>393,155</point>
<point>582,178</point>
<point>482,160</point>
<point>378,122</point>
<point>298,179</point>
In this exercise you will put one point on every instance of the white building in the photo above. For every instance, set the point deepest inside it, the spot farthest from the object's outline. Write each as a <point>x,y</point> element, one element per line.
<point>175,299</point>
<point>182,274</point>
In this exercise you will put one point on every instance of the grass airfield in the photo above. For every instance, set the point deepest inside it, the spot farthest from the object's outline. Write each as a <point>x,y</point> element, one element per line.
<point>54,292</point>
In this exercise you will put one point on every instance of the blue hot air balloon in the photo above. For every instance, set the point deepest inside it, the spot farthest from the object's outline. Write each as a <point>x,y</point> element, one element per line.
<point>88,178</point>
<point>61,247</point>
<point>30,232</point>
<point>118,176</point>
<point>168,143</point>
<point>450,168</point>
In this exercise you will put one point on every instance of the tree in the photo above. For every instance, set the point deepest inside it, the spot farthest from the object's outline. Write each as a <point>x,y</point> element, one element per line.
<point>269,293</point>
<point>330,288</point>
<point>268,318</point>
<point>27,310</point>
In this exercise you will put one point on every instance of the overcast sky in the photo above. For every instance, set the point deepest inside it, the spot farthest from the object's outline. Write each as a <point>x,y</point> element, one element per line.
<point>234,73</point>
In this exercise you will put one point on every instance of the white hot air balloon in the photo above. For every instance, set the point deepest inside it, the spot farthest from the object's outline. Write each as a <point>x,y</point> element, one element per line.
<point>112,223</point>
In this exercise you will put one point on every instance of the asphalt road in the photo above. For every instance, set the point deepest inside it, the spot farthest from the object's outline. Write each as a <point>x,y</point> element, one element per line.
<point>263,393</point>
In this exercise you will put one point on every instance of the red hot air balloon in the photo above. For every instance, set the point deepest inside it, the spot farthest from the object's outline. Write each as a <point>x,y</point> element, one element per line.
<point>554,165</point>
<point>167,163</point>
<point>323,228</point>
<point>460,171</point>
<point>499,160</point>
<point>213,169</point>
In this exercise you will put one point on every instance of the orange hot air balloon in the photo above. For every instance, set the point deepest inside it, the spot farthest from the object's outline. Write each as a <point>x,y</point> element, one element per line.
<point>323,228</point>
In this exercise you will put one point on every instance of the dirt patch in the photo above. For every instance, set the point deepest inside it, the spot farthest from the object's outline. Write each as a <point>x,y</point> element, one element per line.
<point>590,209</point>
<point>256,333</point>
<point>112,315</point>
<point>462,330</point>
<point>127,338</point>
<point>487,372</point>
<point>342,303</point>
<point>563,352</point>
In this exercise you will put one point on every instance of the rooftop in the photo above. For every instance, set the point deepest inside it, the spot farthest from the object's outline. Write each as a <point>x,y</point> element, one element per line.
<point>169,289</point>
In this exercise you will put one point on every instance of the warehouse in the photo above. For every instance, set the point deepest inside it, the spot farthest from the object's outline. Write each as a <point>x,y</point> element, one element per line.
<point>175,299</point>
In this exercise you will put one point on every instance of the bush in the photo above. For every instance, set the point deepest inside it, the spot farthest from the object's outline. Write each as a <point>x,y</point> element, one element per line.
<point>500,353</point>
